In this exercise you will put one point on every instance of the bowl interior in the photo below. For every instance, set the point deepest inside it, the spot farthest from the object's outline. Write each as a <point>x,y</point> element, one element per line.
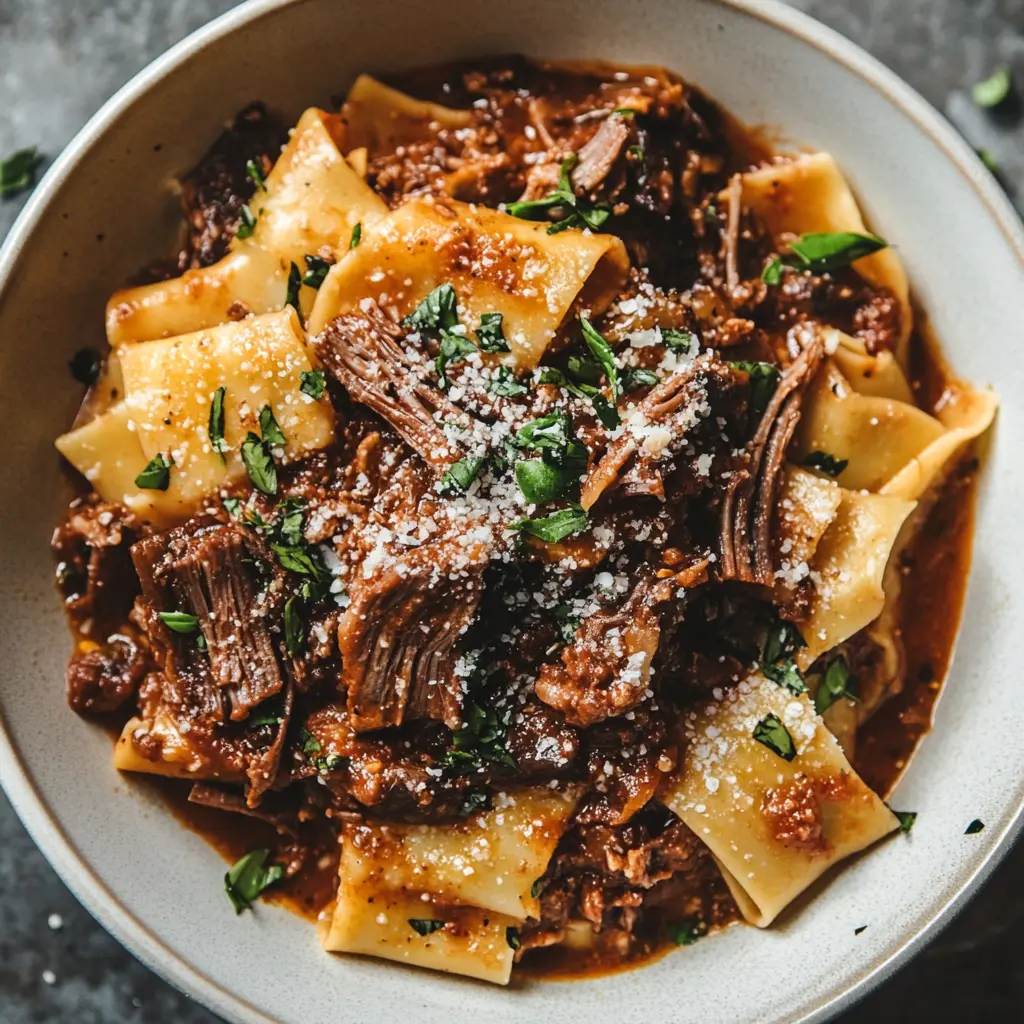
<point>106,211</point>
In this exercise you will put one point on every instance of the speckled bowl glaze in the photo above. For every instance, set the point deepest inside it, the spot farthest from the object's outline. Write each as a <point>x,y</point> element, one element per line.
<point>102,211</point>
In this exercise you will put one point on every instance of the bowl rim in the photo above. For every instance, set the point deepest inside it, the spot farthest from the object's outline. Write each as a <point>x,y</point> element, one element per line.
<point>46,831</point>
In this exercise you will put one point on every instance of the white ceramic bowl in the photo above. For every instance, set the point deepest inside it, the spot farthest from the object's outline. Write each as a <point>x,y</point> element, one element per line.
<point>102,211</point>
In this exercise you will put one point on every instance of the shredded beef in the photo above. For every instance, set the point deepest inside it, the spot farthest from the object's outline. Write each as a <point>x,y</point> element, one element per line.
<point>102,678</point>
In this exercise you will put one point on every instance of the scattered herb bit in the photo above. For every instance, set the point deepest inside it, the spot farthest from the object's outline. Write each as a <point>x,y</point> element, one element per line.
<point>476,800</point>
<point>248,877</point>
<point>310,744</point>
<point>783,641</point>
<point>313,383</point>
<point>231,506</point>
<point>291,295</point>
<point>537,888</point>
<point>603,408</point>
<point>825,463</point>
<point>541,482</point>
<point>506,384</point>
<point>512,938</point>
<point>625,111</point>
<point>481,740</point>
<point>201,644</point>
<point>994,90</point>
<point>823,253</point>
<point>636,153</point>
<point>425,925</point>
<point>301,560</point>
<point>906,819</point>
<point>677,340</point>
<point>555,527</point>
<point>256,521</point>
<point>688,931</point>
<point>216,425</point>
<point>459,477</point>
<point>491,333</point>
<point>786,674</point>
<point>772,273</point>
<point>259,464</point>
<point>85,366</point>
<point>974,828</point>
<point>246,223</point>
<point>255,172</point>
<point>837,682</point>
<point>17,172</point>
<point>453,348</point>
<point>603,354</point>
<point>357,236</point>
<point>775,736</point>
<point>288,527</point>
<point>268,718</point>
<point>438,311</point>
<point>157,474</point>
<point>268,427</point>
<point>568,622</point>
<point>554,437</point>
<point>764,379</point>
<point>180,622</point>
<point>857,931</point>
<point>637,377</point>
<point>584,370</point>
<point>577,212</point>
<point>317,269</point>
<point>294,632</point>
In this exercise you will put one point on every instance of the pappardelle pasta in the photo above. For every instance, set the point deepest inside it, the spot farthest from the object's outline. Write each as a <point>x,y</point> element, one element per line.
<point>509,514</point>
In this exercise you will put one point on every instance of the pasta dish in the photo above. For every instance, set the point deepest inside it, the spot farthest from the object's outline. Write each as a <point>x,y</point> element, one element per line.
<point>522,526</point>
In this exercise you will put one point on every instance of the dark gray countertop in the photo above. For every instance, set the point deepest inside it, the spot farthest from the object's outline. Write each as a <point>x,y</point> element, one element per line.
<point>59,60</point>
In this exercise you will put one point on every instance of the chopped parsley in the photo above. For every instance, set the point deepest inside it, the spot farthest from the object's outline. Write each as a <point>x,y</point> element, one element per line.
<point>437,312</point>
<point>576,211</point>
<point>294,631</point>
<point>313,383</point>
<point>288,527</point>
<point>677,340</point>
<point>772,273</point>
<point>506,384</point>
<point>687,931</point>
<point>775,736</point>
<point>453,348</point>
<point>974,828</point>
<point>993,91</point>
<point>268,427</point>
<point>246,223</point>
<point>481,740</point>
<point>825,463</point>
<point>491,334</point>
<point>231,506</point>
<point>906,819</point>
<point>18,171</point>
<point>317,269</point>
<point>291,295</point>
<point>157,474</point>
<point>764,379</point>
<point>357,236</point>
<point>302,560</point>
<point>458,478</point>
<point>425,925</point>
<point>555,527</point>
<point>637,377</point>
<point>822,253</point>
<point>180,622</point>
<point>248,877</point>
<point>603,354</point>
<point>512,937</point>
<point>215,428</point>
<point>85,366</point>
<point>259,464</point>
<point>837,682</point>
<point>255,172</point>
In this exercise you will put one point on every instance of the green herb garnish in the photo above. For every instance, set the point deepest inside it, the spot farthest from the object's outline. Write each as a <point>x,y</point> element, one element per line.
<point>215,428</point>
<point>825,463</point>
<point>425,925</point>
<point>568,622</point>
<point>317,270</point>
<point>481,740</point>
<point>491,334</point>
<point>291,295</point>
<point>772,273</point>
<point>294,632</point>
<point>231,506</point>
<point>255,172</point>
<point>775,736</point>
<point>268,427</point>
<point>458,477</point>
<point>180,622</point>
<point>313,383</point>
<point>637,377</point>
<point>248,877</point>
<point>603,354</point>
<point>555,527</point>
<point>259,464</point>
<point>506,384</point>
<point>823,253</point>
<point>603,408</point>
<point>837,682</point>
<point>18,171</point>
<point>677,340</point>
<point>974,828</point>
<point>688,931</point>
<point>906,819</point>
<point>764,379</point>
<point>512,937</point>
<point>85,366</point>
<point>438,311</point>
<point>993,91</point>
<point>454,347</point>
<point>157,474</point>
<point>246,223</point>
<point>577,212</point>
<point>357,236</point>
